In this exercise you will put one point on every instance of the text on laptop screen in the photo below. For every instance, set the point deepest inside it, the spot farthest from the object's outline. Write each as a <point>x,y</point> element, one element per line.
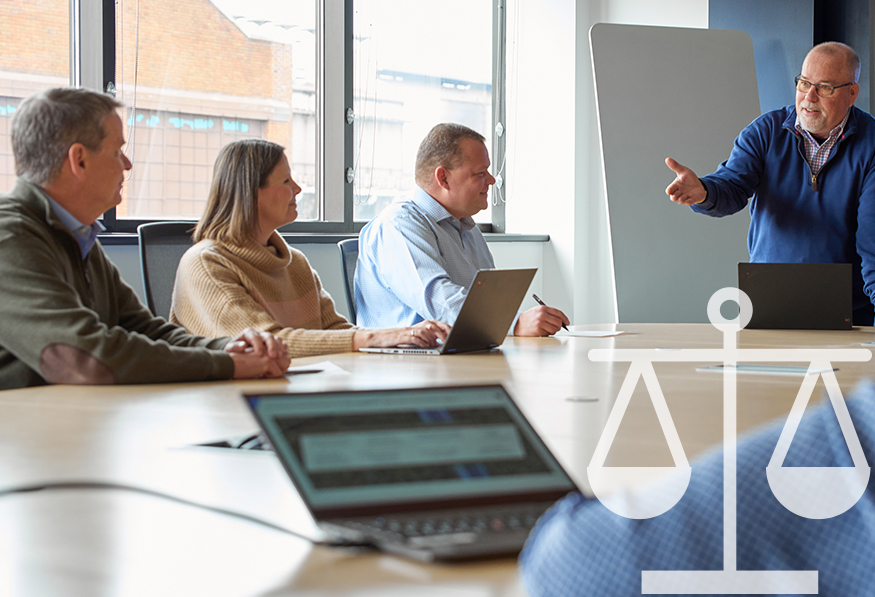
<point>355,448</point>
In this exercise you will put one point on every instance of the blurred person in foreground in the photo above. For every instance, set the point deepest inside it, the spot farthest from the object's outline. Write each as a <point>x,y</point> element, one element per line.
<point>581,548</point>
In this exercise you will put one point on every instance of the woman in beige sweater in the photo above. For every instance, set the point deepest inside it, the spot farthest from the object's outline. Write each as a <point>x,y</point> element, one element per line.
<point>240,273</point>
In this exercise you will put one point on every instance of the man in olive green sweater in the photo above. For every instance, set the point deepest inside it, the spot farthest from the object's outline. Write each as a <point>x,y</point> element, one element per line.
<point>66,316</point>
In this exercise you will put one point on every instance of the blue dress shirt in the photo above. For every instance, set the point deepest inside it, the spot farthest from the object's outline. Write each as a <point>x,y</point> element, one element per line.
<point>85,235</point>
<point>416,261</point>
<point>581,548</point>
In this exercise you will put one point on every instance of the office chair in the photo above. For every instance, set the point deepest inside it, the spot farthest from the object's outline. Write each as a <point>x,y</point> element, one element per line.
<point>349,252</point>
<point>161,247</point>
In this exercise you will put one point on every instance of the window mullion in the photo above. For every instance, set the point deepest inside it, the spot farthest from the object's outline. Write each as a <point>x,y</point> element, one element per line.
<point>499,122</point>
<point>92,54</point>
<point>92,43</point>
<point>335,97</point>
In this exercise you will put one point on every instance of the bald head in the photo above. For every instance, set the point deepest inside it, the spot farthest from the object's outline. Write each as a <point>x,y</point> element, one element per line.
<point>846,53</point>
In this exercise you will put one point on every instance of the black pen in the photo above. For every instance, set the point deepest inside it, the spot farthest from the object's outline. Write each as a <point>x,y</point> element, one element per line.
<point>540,302</point>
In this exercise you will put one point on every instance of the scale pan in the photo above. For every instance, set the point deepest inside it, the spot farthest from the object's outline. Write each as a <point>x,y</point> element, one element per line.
<point>654,489</point>
<point>818,492</point>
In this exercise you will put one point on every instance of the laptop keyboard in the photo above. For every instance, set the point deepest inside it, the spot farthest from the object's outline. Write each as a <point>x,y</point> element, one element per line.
<point>475,522</point>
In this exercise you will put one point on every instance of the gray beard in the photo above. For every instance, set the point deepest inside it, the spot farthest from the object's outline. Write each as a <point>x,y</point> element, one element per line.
<point>812,123</point>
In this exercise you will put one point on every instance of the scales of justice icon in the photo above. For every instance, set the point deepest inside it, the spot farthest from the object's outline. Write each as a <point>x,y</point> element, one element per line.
<point>810,492</point>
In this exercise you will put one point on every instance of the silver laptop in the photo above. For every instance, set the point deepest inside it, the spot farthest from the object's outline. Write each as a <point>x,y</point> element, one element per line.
<point>428,473</point>
<point>485,316</point>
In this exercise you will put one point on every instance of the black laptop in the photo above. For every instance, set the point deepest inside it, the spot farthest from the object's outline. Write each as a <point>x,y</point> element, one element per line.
<point>431,473</point>
<point>485,317</point>
<point>805,296</point>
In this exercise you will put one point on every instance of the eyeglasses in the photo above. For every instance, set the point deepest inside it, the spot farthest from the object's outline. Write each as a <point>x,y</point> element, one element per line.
<point>802,86</point>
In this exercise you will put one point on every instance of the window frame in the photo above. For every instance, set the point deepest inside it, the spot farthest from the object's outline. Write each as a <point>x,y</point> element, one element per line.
<point>92,54</point>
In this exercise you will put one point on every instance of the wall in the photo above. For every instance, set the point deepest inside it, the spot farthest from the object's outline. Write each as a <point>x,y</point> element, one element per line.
<point>325,259</point>
<point>196,45</point>
<point>850,22</point>
<point>24,23</point>
<point>781,37</point>
<point>555,183</point>
<point>540,143</point>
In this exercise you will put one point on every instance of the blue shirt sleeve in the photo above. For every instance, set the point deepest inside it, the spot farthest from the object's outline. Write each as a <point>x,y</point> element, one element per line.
<point>736,179</point>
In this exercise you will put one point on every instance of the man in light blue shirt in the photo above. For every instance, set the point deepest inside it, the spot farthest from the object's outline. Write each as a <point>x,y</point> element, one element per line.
<point>419,256</point>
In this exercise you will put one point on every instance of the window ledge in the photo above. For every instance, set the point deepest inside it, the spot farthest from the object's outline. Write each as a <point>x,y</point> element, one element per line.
<point>303,238</point>
<point>502,237</point>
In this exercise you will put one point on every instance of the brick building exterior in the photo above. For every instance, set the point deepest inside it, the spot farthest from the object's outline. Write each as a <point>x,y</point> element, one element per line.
<point>200,83</point>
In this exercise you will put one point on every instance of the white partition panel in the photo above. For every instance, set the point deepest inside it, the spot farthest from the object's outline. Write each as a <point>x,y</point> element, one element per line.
<point>669,92</point>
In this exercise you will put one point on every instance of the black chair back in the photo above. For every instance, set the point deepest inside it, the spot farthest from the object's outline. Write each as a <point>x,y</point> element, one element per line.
<point>349,253</point>
<point>162,245</point>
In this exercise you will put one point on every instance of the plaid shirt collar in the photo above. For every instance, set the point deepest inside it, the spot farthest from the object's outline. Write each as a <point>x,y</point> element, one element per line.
<point>817,153</point>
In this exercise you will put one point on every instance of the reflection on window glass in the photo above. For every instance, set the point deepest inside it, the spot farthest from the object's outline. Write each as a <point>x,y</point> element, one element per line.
<point>27,66</point>
<point>417,63</point>
<point>198,74</point>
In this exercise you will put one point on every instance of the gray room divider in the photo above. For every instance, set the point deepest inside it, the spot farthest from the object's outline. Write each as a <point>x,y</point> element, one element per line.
<point>669,92</point>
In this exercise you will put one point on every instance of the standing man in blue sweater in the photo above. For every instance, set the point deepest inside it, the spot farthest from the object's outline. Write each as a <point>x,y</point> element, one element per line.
<point>809,173</point>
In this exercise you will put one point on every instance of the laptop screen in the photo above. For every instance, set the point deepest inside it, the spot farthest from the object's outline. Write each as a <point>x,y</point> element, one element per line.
<point>804,296</point>
<point>348,449</point>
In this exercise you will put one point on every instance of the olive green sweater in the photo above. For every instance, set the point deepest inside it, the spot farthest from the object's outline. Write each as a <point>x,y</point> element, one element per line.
<point>222,288</point>
<point>65,319</point>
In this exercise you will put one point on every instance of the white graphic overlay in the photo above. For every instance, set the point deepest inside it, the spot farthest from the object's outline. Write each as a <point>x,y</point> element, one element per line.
<point>818,492</point>
<point>810,492</point>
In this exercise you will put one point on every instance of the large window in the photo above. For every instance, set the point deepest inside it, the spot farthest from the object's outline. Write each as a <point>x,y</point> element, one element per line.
<point>198,74</point>
<point>27,66</point>
<point>416,64</point>
<point>349,87</point>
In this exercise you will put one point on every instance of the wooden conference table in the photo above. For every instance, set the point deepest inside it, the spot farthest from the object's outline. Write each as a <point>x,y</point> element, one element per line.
<point>108,542</point>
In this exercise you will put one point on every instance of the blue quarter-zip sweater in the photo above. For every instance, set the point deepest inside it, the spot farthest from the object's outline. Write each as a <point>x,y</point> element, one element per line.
<point>795,217</point>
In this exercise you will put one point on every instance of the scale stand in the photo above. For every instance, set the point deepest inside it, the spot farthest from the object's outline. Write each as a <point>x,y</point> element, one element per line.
<point>835,489</point>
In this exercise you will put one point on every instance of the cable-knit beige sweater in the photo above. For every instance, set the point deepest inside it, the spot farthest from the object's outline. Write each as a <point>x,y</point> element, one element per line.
<point>223,288</point>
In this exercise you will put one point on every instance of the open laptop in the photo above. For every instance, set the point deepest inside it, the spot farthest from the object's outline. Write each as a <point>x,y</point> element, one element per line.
<point>485,316</point>
<point>806,296</point>
<point>429,473</point>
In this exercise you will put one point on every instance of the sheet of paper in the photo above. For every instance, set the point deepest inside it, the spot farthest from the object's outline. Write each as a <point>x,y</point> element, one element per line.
<point>767,369</point>
<point>323,367</point>
<point>588,333</point>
